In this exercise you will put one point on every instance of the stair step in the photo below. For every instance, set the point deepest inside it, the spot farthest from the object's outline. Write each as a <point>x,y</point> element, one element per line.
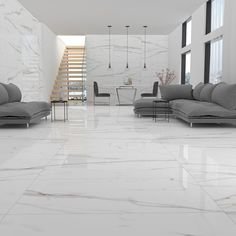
<point>69,68</point>
<point>66,91</point>
<point>71,72</point>
<point>71,95</point>
<point>73,57</point>
<point>68,62</point>
<point>72,63</point>
<point>71,76</point>
<point>61,86</point>
<point>80,59</point>
<point>67,81</point>
<point>74,47</point>
<point>76,87</point>
<point>74,53</point>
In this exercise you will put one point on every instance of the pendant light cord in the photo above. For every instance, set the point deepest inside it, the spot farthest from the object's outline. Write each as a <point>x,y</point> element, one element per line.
<point>145,47</point>
<point>109,27</point>
<point>127,65</point>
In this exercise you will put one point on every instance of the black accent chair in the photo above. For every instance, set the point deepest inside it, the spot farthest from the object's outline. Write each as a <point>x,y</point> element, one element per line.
<point>99,95</point>
<point>154,93</point>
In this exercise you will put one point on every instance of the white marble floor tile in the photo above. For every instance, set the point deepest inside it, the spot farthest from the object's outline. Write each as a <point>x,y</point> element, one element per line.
<point>10,192</point>
<point>106,172</point>
<point>170,224</point>
<point>120,188</point>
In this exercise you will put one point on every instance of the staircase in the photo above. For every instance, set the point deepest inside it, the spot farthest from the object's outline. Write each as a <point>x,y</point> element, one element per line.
<point>70,82</point>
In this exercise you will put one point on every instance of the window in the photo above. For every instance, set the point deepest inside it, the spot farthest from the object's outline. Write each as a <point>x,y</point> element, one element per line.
<point>186,68</point>
<point>214,61</point>
<point>187,33</point>
<point>215,15</point>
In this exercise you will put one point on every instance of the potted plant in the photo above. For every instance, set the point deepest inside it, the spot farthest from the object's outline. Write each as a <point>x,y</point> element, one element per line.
<point>166,77</point>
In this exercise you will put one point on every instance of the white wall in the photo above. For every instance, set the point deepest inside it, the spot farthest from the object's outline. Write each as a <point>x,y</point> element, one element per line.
<point>229,71</point>
<point>108,80</point>
<point>198,44</point>
<point>28,52</point>
<point>174,52</point>
<point>52,50</point>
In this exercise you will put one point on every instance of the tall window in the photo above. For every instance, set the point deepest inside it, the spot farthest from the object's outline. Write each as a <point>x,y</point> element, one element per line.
<point>215,15</point>
<point>214,61</point>
<point>187,33</point>
<point>186,68</point>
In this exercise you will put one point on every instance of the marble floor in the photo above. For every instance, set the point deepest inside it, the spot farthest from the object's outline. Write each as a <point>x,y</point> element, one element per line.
<point>108,173</point>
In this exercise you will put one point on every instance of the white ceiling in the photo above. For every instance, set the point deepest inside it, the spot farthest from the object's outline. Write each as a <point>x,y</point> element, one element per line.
<point>82,17</point>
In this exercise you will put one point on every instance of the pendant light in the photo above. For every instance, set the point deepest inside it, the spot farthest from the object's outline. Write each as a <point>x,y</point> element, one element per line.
<point>127,31</point>
<point>145,47</point>
<point>109,29</point>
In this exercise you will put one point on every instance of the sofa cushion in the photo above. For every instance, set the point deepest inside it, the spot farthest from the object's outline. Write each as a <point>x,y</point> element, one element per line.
<point>198,109</point>
<point>147,103</point>
<point>206,92</point>
<point>225,96</point>
<point>172,92</point>
<point>197,90</point>
<point>4,98</point>
<point>23,109</point>
<point>14,92</point>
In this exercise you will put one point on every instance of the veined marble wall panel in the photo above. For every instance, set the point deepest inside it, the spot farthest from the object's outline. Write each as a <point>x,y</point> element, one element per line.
<point>20,61</point>
<point>97,47</point>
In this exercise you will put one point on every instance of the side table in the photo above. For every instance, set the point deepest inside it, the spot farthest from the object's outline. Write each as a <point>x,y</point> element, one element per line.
<point>66,106</point>
<point>164,107</point>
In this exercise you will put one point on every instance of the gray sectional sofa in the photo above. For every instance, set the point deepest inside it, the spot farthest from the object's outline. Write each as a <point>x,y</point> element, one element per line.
<point>206,103</point>
<point>13,111</point>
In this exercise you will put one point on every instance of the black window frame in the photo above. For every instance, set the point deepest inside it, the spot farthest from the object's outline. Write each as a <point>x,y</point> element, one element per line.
<point>207,62</point>
<point>184,34</point>
<point>208,16</point>
<point>183,67</point>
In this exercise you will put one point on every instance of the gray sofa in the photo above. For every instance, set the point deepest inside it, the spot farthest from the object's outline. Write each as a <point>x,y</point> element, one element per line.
<point>206,103</point>
<point>13,111</point>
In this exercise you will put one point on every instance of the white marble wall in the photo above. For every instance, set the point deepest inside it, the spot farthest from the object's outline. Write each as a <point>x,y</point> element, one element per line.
<point>20,49</point>
<point>108,79</point>
<point>22,54</point>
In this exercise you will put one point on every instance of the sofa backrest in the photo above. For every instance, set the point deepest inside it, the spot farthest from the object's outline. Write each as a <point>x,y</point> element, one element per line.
<point>206,92</point>
<point>197,91</point>
<point>225,95</point>
<point>14,93</point>
<point>173,92</point>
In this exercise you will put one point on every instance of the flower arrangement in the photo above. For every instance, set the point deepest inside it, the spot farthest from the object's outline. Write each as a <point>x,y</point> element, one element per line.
<point>166,77</point>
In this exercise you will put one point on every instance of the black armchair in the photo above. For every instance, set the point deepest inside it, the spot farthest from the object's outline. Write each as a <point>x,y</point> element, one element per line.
<point>97,94</point>
<point>154,93</point>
